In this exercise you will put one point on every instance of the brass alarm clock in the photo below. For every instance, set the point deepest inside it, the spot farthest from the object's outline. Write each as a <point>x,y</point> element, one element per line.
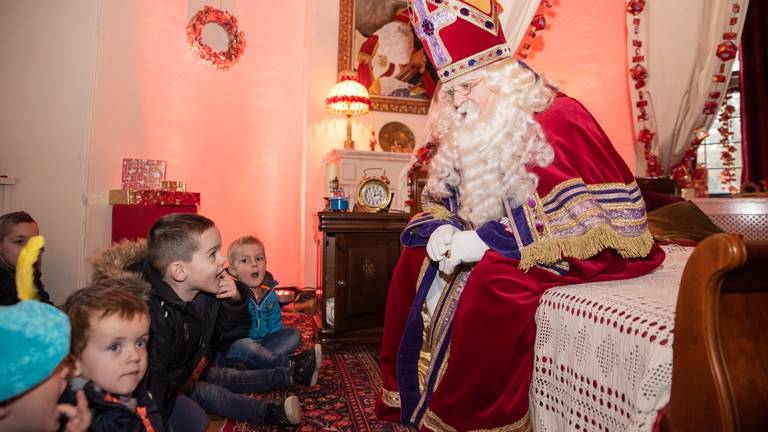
<point>373,193</point>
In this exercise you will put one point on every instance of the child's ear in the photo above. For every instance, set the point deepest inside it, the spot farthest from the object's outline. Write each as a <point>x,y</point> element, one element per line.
<point>5,409</point>
<point>76,370</point>
<point>177,271</point>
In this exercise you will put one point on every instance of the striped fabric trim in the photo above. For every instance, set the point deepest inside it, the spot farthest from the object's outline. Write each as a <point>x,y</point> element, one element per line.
<point>432,421</point>
<point>390,398</point>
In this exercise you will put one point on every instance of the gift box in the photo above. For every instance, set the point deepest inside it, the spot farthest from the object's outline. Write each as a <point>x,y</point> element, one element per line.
<point>153,197</point>
<point>174,186</point>
<point>143,174</point>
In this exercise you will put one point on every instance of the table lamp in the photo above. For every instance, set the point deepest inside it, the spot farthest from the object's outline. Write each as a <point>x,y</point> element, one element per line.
<point>348,97</point>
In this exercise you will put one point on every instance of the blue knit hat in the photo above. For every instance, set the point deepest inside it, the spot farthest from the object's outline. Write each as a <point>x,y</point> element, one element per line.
<point>35,339</point>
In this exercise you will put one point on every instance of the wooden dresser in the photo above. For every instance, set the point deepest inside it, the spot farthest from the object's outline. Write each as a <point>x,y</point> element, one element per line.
<point>359,252</point>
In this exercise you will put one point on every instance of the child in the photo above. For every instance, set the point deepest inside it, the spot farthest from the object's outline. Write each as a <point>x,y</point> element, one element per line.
<point>15,231</point>
<point>110,328</point>
<point>262,340</point>
<point>33,367</point>
<point>191,305</point>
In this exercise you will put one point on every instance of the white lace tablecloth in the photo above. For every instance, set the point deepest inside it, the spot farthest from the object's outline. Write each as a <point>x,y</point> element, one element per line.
<point>603,355</point>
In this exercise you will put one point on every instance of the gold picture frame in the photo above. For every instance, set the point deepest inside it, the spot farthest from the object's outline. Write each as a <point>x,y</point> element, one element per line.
<point>354,52</point>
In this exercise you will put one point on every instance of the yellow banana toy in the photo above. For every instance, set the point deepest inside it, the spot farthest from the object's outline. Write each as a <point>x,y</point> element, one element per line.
<point>25,272</point>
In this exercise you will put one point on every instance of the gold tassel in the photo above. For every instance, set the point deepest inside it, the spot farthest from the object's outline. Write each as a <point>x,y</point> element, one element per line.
<point>552,250</point>
<point>25,272</point>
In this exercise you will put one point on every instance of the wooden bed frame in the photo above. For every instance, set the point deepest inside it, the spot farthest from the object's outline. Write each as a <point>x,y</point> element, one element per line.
<point>720,354</point>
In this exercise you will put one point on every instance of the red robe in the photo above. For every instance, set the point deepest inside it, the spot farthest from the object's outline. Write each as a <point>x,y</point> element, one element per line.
<point>482,376</point>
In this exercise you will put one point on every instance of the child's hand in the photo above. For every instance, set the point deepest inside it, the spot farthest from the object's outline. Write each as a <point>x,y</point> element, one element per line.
<point>78,417</point>
<point>227,288</point>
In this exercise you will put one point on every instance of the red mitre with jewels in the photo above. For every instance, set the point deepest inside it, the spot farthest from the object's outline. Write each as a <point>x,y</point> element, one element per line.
<point>459,36</point>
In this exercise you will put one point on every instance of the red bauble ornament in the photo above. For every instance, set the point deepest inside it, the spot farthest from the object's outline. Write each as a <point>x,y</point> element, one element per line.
<point>638,72</point>
<point>539,22</point>
<point>645,136</point>
<point>635,6</point>
<point>727,51</point>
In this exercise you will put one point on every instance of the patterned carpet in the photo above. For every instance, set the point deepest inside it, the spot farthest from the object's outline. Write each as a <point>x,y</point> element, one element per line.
<point>342,400</point>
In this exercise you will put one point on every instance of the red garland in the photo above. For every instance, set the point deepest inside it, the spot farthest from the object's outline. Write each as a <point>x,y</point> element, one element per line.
<point>639,74</point>
<point>728,174</point>
<point>538,23</point>
<point>725,51</point>
<point>216,59</point>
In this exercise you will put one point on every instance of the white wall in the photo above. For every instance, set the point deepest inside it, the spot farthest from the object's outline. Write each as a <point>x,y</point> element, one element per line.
<point>235,136</point>
<point>326,132</point>
<point>46,82</point>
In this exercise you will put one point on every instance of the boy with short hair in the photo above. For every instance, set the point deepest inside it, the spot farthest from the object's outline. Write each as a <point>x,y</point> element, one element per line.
<point>191,305</point>
<point>33,367</point>
<point>110,330</point>
<point>262,340</point>
<point>16,229</point>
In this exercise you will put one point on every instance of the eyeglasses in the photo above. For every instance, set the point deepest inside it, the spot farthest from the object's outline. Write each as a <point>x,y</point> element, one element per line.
<point>462,89</point>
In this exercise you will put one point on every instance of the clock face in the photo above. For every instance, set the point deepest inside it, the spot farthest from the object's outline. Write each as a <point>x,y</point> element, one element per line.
<point>374,194</point>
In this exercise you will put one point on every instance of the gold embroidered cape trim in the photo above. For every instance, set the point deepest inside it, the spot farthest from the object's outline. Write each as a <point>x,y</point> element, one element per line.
<point>431,421</point>
<point>390,398</point>
<point>599,237</point>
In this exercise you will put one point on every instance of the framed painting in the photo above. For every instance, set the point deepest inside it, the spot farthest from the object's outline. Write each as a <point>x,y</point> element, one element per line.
<point>377,41</point>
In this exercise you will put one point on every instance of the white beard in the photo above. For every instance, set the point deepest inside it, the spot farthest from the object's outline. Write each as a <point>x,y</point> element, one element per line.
<point>486,158</point>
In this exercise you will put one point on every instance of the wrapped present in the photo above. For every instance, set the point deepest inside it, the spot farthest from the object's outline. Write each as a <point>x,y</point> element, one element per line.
<point>153,197</point>
<point>174,186</point>
<point>143,174</point>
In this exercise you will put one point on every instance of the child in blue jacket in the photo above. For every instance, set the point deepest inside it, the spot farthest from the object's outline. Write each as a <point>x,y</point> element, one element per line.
<point>261,341</point>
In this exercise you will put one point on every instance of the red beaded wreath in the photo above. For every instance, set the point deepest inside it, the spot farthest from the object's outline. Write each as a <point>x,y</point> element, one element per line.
<point>216,59</point>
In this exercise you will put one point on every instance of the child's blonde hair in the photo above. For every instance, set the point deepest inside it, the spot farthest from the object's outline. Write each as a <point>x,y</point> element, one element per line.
<point>242,241</point>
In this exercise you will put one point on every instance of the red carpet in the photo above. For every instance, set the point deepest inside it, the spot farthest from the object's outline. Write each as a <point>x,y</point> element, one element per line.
<point>343,398</point>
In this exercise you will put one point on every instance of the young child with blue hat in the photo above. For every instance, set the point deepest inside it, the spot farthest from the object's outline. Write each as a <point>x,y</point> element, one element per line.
<point>33,363</point>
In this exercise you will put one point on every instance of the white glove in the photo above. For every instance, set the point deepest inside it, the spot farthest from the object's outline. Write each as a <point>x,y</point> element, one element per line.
<point>465,247</point>
<point>440,241</point>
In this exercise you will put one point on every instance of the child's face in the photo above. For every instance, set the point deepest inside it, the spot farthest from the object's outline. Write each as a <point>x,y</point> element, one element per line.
<point>14,242</point>
<point>250,265</point>
<point>36,410</point>
<point>115,355</point>
<point>206,264</point>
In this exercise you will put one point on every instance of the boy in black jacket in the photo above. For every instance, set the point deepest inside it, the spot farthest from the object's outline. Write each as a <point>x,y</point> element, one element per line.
<point>110,329</point>
<point>191,305</point>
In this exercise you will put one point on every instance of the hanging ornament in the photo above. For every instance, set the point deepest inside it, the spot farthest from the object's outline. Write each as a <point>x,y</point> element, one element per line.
<point>638,73</point>
<point>538,23</point>
<point>220,60</point>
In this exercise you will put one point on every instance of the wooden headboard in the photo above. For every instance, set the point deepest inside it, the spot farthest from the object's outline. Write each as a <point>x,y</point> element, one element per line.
<point>720,366</point>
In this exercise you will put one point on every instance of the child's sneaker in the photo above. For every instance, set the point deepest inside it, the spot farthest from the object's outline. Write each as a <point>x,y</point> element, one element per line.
<point>286,413</point>
<point>306,366</point>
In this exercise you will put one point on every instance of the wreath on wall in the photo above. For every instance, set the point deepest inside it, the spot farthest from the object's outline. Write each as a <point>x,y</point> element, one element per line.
<point>216,59</point>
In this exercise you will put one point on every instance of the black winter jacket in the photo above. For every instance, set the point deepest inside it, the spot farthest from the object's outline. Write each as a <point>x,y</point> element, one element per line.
<point>8,294</point>
<point>181,333</point>
<point>109,415</point>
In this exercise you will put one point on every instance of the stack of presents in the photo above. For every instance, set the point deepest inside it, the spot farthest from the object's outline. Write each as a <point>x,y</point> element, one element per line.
<point>144,183</point>
<point>146,196</point>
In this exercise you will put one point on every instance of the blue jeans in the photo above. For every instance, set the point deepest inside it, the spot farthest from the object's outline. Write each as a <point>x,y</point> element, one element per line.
<point>270,352</point>
<point>218,391</point>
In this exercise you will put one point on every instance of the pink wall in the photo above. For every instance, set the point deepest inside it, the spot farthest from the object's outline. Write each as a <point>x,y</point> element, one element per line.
<point>583,50</point>
<point>235,136</point>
